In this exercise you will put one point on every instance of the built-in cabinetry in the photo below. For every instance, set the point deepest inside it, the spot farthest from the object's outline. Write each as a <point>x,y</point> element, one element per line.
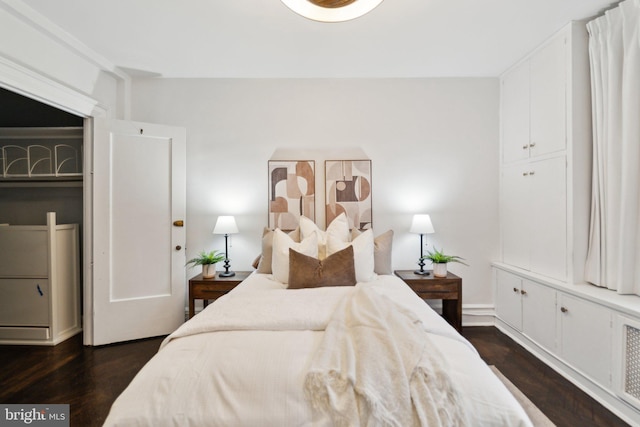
<point>584,332</point>
<point>545,151</point>
<point>528,307</point>
<point>588,334</point>
<point>39,283</point>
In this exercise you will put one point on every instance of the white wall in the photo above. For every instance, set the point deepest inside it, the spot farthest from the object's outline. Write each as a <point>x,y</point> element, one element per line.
<point>433,145</point>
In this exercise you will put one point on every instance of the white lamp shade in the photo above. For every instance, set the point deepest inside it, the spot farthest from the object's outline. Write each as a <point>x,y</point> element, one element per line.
<point>226,224</point>
<point>421,224</point>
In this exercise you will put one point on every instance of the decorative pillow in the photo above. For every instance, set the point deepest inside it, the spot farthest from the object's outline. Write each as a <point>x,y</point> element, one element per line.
<point>280,255</point>
<point>308,272</point>
<point>264,265</point>
<point>362,254</point>
<point>338,229</point>
<point>382,249</point>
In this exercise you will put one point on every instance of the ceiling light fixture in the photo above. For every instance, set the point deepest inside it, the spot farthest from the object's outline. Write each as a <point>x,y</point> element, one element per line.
<point>331,10</point>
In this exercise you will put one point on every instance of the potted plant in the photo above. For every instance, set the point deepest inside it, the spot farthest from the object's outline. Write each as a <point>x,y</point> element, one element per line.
<point>208,262</point>
<point>440,260</point>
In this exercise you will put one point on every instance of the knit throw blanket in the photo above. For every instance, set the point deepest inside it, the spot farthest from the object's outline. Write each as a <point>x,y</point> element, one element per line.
<point>377,367</point>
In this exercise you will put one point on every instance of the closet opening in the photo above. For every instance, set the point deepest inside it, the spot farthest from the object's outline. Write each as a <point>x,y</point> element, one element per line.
<point>41,161</point>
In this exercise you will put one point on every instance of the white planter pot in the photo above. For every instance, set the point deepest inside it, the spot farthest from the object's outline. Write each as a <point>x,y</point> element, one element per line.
<point>440,270</point>
<point>208,271</point>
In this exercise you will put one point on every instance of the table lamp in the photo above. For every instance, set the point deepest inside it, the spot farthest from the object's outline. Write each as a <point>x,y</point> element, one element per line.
<point>421,224</point>
<point>226,224</point>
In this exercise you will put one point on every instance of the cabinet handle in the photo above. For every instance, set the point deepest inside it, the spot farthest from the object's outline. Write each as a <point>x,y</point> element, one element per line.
<point>515,290</point>
<point>532,144</point>
<point>532,173</point>
<point>564,309</point>
<point>178,223</point>
<point>178,247</point>
<point>525,173</point>
<point>524,147</point>
<point>523,292</point>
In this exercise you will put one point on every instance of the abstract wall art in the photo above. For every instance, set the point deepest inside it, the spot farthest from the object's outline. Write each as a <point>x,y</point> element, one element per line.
<point>348,190</point>
<point>291,192</point>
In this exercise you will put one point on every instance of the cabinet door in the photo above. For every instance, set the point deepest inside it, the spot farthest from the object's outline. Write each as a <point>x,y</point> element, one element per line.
<point>539,314</point>
<point>548,98</point>
<point>24,302</point>
<point>586,338</point>
<point>515,215</point>
<point>515,114</point>
<point>548,216</point>
<point>508,300</point>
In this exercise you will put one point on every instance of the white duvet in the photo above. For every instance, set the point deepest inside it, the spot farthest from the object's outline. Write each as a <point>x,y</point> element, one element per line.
<point>243,361</point>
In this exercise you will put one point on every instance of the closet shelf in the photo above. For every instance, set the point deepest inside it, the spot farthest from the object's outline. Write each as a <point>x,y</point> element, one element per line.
<point>40,153</point>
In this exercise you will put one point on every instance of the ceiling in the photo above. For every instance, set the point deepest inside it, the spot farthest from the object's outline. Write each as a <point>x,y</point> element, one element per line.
<point>265,39</point>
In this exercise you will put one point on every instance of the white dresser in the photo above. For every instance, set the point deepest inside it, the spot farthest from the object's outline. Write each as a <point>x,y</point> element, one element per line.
<point>39,283</point>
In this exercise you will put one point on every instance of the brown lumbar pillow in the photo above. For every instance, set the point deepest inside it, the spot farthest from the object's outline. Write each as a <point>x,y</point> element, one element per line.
<point>309,272</point>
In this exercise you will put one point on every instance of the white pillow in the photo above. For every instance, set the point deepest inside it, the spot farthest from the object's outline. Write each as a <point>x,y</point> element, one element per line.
<point>362,254</point>
<point>338,229</point>
<point>280,254</point>
<point>382,246</point>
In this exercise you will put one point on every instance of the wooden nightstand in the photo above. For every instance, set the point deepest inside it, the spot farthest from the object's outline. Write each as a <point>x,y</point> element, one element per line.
<point>208,289</point>
<point>448,289</point>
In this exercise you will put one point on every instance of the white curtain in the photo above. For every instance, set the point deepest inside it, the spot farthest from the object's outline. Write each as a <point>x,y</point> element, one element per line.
<point>613,260</point>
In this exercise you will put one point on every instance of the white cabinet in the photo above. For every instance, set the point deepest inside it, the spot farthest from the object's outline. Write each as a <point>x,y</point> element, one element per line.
<point>533,103</point>
<point>39,283</point>
<point>515,113</point>
<point>586,337</point>
<point>548,93</point>
<point>508,298</point>
<point>538,313</point>
<point>528,307</point>
<point>533,216</point>
<point>545,145</point>
<point>590,335</point>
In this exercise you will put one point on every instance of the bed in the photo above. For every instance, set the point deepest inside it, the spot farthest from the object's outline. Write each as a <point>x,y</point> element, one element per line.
<point>317,350</point>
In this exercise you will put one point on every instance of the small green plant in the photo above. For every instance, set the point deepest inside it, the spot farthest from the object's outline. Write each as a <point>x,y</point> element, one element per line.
<point>204,258</point>
<point>437,257</point>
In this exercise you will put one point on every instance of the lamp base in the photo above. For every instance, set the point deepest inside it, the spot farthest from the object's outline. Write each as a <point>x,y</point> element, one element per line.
<point>422,272</point>
<point>226,274</point>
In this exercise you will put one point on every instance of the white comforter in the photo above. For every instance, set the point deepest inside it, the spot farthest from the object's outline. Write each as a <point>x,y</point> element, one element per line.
<point>244,359</point>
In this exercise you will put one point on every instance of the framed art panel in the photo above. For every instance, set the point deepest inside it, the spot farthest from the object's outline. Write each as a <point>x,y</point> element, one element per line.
<point>348,190</point>
<point>291,192</point>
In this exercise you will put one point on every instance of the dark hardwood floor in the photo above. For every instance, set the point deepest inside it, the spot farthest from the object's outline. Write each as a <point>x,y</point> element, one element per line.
<point>562,402</point>
<point>90,378</point>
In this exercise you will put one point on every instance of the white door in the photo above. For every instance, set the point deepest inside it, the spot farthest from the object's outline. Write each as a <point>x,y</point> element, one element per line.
<point>586,337</point>
<point>548,209</point>
<point>139,186</point>
<point>548,98</point>
<point>515,114</point>
<point>509,299</point>
<point>539,314</point>
<point>515,215</point>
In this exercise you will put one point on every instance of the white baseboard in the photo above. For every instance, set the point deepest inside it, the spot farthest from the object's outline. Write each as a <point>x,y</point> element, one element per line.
<point>478,315</point>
